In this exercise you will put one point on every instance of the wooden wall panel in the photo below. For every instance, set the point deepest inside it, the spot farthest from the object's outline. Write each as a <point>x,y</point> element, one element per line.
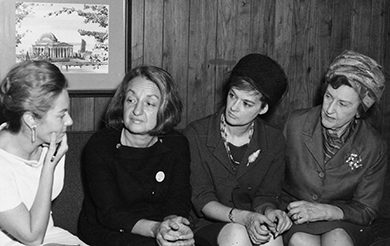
<point>376,47</point>
<point>322,45</point>
<point>301,40</point>
<point>262,21</point>
<point>282,52</point>
<point>82,113</point>
<point>199,42</point>
<point>377,29</point>
<point>232,39</point>
<point>153,32</point>
<point>360,31</point>
<point>87,111</point>
<point>175,45</point>
<point>100,107</point>
<point>340,27</point>
<point>137,12</point>
<point>201,54</point>
<point>385,102</point>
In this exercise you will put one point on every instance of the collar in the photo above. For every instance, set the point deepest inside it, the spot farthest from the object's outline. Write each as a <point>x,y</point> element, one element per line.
<point>215,141</point>
<point>160,147</point>
<point>312,130</point>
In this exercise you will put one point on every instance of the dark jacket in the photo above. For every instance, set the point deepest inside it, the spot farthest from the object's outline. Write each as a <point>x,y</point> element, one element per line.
<point>356,190</point>
<point>124,185</point>
<point>254,186</point>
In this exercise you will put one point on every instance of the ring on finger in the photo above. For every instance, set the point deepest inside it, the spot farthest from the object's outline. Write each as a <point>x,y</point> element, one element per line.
<point>297,216</point>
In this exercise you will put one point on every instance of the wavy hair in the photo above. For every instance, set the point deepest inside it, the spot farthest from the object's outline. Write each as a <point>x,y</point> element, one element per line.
<point>30,86</point>
<point>170,109</point>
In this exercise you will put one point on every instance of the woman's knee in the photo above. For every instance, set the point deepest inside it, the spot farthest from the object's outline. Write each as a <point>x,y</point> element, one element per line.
<point>337,237</point>
<point>233,234</point>
<point>302,239</point>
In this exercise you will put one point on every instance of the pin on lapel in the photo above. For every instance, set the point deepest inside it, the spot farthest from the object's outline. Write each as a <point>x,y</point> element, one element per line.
<point>253,157</point>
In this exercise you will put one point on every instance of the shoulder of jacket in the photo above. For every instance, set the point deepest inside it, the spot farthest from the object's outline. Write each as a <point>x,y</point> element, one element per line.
<point>201,123</point>
<point>174,138</point>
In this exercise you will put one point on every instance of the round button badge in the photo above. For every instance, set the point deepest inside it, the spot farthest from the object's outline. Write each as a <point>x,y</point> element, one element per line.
<point>160,176</point>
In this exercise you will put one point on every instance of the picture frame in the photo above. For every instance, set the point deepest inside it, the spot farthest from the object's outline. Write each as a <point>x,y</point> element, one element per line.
<point>91,54</point>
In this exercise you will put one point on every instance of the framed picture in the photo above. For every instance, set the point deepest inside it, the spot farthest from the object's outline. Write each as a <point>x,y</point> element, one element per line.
<point>86,39</point>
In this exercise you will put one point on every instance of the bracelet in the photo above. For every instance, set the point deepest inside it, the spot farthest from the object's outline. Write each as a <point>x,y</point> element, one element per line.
<point>231,215</point>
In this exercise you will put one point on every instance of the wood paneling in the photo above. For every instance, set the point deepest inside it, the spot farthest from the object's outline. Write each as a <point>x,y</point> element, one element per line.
<point>199,41</point>
<point>175,45</point>
<point>82,111</point>
<point>136,25</point>
<point>202,33</point>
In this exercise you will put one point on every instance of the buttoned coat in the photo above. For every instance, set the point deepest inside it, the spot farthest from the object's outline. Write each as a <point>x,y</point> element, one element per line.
<point>352,179</point>
<point>253,187</point>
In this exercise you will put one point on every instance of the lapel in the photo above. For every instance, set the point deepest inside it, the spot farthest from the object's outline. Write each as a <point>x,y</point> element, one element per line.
<point>258,142</point>
<point>215,142</point>
<point>312,136</point>
<point>351,146</point>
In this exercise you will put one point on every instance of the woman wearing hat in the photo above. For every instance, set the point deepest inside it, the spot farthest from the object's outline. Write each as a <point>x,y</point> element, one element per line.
<point>335,161</point>
<point>236,161</point>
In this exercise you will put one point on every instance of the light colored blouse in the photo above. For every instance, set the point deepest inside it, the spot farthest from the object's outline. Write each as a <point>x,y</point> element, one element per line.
<point>19,180</point>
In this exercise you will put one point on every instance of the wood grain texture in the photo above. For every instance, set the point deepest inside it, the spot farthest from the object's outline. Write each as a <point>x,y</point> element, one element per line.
<point>201,81</point>
<point>82,111</point>
<point>137,27</point>
<point>175,46</point>
<point>153,32</point>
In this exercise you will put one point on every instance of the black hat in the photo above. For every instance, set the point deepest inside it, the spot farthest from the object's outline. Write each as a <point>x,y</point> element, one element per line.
<point>266,74</point>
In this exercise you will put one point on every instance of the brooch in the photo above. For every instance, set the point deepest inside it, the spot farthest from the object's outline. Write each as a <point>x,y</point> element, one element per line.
<point>354,161</point>
<point>253,157</point>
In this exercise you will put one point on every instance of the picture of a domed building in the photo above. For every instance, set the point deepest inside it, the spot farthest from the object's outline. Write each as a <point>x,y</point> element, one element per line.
<point>48,47</point>
<point>56,33</point>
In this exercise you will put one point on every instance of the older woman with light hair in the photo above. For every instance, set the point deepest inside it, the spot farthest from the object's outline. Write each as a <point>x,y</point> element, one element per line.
<point>335,161</point>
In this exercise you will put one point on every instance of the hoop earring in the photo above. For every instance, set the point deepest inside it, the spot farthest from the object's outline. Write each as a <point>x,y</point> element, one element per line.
<point>33,134</point>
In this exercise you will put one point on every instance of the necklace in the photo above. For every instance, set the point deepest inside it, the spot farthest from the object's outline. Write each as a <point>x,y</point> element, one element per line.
<point>224,135</point>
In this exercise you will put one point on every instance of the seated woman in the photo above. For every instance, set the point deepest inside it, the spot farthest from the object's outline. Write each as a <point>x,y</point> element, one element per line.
<point>335,161</point>
<point>35,107</point>
<point>137,189</point>
<point>236,161</point>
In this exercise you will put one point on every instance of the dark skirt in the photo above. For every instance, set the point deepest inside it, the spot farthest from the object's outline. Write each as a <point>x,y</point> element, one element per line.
<point>361,235</point>
<point>208,234</point>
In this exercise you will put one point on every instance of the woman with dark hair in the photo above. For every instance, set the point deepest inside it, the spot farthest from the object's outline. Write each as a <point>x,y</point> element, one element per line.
<point>237,161</point>
<point>335,161</point>
<point>35,108</point>
<point>137,168</point>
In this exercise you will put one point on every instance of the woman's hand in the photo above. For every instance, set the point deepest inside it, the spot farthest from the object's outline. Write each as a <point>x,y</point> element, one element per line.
<point>56,150</point>
<point>259,227</point>
<point>174,230</point>
<point>302,211</point>
<point>281,219</point>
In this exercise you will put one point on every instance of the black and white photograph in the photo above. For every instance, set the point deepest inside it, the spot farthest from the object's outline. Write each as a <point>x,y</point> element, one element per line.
<point>75,37</point>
